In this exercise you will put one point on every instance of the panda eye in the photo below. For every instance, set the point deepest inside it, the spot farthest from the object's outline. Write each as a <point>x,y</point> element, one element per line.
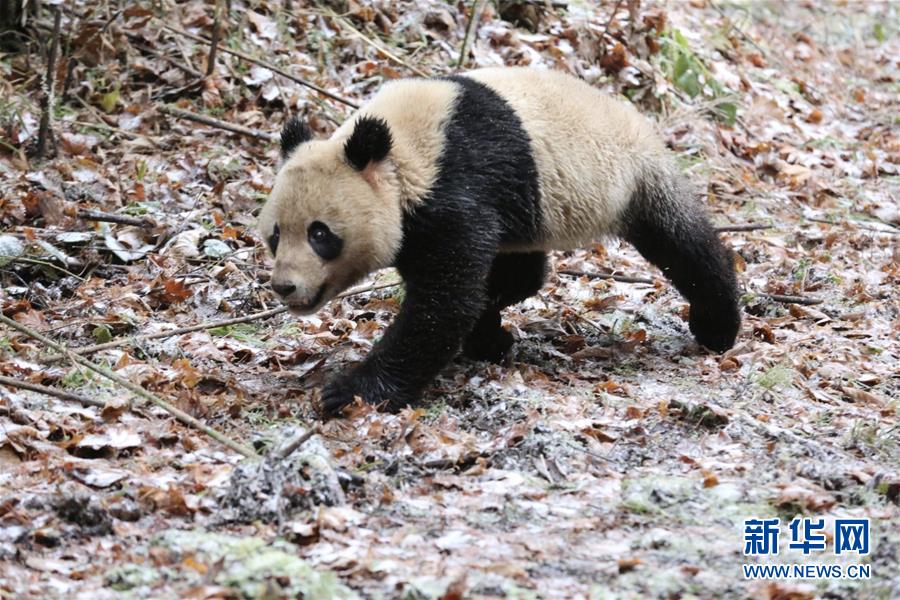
<point>323,241</point>
<point>273,240</point>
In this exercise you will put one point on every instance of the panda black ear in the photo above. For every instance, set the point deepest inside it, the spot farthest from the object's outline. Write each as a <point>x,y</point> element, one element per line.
<point>370,141</point>
<point>294,133</point>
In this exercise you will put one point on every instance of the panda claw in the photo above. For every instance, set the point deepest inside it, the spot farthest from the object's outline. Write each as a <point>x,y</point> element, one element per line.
<point>343,391</point>
<point>337,394</point>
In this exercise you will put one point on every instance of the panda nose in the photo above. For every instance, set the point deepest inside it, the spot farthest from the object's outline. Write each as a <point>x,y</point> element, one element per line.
<point>284,289</point>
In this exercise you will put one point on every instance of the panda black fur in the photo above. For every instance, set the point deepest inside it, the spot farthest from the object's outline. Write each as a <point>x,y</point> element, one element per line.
<point>463,184</point>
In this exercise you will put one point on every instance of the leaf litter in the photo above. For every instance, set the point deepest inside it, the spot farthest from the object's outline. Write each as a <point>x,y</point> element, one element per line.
<point>608,457</point>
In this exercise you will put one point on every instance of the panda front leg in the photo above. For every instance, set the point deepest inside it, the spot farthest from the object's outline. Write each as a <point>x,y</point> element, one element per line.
<point>445,276</point>
<point>513,278</point>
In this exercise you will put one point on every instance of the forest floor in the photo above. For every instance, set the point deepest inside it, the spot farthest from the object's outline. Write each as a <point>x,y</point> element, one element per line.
<point>609,457</point>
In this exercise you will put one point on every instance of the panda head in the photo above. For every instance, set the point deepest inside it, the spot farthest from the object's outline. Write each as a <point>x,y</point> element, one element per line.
<point>334,214</point>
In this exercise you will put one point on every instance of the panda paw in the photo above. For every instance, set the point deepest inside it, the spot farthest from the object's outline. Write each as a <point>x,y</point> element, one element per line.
<point>490,347</point>
<point>715,327</point>
<point>342,391</point>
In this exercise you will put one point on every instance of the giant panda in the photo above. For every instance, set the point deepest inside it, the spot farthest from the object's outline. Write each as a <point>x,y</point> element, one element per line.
<point>464,183</point>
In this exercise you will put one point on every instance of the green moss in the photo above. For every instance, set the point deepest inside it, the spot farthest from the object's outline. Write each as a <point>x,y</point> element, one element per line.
<point>253,567</point>
<point>777,376</point>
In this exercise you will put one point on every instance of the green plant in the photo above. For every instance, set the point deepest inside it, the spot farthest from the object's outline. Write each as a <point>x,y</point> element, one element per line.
<point>690,75</point>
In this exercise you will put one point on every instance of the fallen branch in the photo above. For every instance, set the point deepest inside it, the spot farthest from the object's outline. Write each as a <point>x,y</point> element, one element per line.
<point>893,230</point>
<point>96,215</point>
<point>263,64</point>
<point>744,227</point>
<point>203,326</point>
<point>129,341</point>
<point>378,46</point>
<point>185,114</point>
<point>807,300</point>
<point>613,276</point>
<point>214,42</point>
<point>50,391</point>
<point>612,17</point>
<point>287,450</point>
<point>47,98</point>
<point>477,8</point>
<point>577,314</point>
<point>132,387</point>
<point>164,57</point>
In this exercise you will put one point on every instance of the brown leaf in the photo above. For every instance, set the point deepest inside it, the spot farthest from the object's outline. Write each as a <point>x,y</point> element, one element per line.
<point>628,564</point>
<point>615,60</point>
<point>172,291</point>
<point>757,59</point>
<point>788,591</point>
<point>864,397</point>
<point>814,117</point>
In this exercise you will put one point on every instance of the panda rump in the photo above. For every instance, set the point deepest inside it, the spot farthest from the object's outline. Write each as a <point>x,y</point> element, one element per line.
<point>464,183</point>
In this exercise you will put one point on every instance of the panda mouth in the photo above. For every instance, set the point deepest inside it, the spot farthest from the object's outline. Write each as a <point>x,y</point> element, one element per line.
<point>309,307</point>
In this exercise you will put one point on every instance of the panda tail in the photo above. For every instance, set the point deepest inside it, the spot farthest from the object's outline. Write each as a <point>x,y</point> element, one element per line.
<point>672,231</point>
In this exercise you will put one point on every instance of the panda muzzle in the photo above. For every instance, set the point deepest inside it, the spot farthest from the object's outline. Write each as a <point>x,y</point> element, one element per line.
<point>304,307</point>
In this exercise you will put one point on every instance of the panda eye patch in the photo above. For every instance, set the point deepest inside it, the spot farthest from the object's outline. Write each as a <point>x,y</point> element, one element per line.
<point>273,239</point>
<point>323,241</point>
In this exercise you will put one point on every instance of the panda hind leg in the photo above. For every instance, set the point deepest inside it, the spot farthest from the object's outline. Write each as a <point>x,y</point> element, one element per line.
<point>513,278</point>
<point>673,232</point>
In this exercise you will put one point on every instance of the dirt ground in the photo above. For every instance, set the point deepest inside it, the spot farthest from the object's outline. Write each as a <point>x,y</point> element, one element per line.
<point>608,457</point>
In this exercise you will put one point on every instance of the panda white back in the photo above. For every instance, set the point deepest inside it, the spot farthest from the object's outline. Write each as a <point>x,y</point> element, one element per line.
<point>589,150</point>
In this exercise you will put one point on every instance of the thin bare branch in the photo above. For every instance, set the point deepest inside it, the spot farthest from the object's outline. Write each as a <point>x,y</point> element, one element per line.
<point>130,341</point>
<point>613,276</point>
<point>50,391</point>
<point>743,227</point>
<point>264,64</point>
<point>132,387</point>
<point>239,129</point>
<point>214,42</point>
<point>807,300</point>
<point>477,8</point>
<point>301,439</point>
<point>48,99</point>
<point>96,215</point>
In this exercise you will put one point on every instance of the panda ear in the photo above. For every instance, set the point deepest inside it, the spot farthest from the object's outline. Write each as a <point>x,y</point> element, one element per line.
<point>294,133</point>
<point>370,142</point>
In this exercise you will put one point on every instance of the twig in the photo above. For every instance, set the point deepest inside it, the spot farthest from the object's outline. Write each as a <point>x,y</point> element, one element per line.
<point>96,215</point>
<point>50,391</point>
<point>612,17</point>
<point>622,278</point>
<point>263,64</point>
<point>746,37</point>
<point>378,46</point>
<point>214,42</point>
<point>240,129</point>
<point>164,57</point>
<point>477,8</point>
<point>545,4</point>
<point>286,451</point>
<point>129,341</point>
<point>844,222</point>
<point>807,300</point>
<point>44,263</point>
<point>47,99</point>
<point>203,326</point>
<point>744,227</point>
<point>132,387</point>
<point>577,314</point>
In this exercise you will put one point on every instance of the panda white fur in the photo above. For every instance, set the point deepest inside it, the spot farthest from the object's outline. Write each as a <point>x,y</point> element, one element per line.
<point>463,183</point>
